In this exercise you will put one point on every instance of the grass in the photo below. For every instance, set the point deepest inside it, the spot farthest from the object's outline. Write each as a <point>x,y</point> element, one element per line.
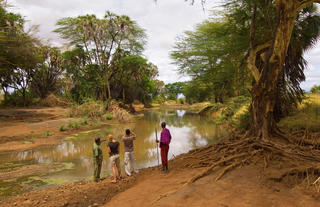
<point>306,116</point>
<point>47,133</point>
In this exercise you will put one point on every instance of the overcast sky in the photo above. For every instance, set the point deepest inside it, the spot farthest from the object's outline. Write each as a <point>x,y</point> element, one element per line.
<point>163,21</point>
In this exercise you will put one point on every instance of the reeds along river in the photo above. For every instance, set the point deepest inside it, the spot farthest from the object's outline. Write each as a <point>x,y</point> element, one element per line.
<point>72,160</point>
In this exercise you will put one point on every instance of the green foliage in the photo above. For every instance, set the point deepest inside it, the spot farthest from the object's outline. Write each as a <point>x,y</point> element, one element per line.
<point>47,133</point>
<point>76,125</point>
<point>83,122</point>
<point>174,89</point>
<point>315,89</point>
<point>62,128</point>
<point>70,125</point>
<point>159,99</point>
<point>305,117</point>
<point>181,101</point>
<point>109,117</point>
<point>235,112</point>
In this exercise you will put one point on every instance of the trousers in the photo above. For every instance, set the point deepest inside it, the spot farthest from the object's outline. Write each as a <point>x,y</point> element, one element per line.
<point>130,163</point>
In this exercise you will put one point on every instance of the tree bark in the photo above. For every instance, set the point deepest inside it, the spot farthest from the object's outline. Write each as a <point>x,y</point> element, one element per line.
<point>264,89</point>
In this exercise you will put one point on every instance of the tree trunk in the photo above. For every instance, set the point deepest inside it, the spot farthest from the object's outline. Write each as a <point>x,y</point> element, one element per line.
<point>264,89</point>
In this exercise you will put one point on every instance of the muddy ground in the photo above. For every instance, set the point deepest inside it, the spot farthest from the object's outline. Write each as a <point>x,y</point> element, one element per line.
<point>247,185</point>
<point>29,128</point>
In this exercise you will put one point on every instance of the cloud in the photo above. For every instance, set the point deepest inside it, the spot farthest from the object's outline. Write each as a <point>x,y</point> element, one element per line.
<point>163,21</point>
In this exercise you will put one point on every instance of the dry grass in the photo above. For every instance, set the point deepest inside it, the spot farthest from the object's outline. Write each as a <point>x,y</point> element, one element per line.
<point>53,100</point>
<point>117,112</point>
<point>91,109</point>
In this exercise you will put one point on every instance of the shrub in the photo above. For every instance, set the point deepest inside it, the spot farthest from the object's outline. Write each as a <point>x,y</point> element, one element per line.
<point>76,125</point>
<point>90,108</point>
<point>84,122</point>
<point>181,101</point>
<point>70,125</point>
<point>62,128</point>
<point>108,116</point>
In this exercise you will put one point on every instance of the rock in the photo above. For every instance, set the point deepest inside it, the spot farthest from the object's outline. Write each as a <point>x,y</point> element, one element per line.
<point>95,204</point>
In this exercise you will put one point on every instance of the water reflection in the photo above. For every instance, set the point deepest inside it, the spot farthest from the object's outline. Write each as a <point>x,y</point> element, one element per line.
<point>188,132</point>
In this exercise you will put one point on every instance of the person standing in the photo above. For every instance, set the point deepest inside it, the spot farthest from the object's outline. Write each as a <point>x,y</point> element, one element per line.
<point>113,149</point>
<point>165,139</point>
<point>129,158</point>
<point>97,159</point>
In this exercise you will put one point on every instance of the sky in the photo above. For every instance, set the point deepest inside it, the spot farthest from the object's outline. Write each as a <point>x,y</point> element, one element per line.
<point>163,21</point>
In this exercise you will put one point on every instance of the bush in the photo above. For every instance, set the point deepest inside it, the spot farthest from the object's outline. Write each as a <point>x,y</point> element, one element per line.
<point>76,125</point>
<point>70,125</point>
<point>108,116</point>
<point>62,128</point>
<point>181,101</point>
<point>53,100</point>
<point>84,122</point>
<point>90,108</point>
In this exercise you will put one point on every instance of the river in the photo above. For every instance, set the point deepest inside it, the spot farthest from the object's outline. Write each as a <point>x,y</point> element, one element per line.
<point>71,161</point>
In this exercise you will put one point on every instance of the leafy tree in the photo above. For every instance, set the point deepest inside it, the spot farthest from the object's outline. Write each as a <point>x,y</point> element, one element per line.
<point>47,73</point>
<point>315,89</point>
<point>102,40</point>
<point>174,89</point>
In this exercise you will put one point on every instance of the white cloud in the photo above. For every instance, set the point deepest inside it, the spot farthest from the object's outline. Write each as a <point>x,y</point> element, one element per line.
<point>163,21</point>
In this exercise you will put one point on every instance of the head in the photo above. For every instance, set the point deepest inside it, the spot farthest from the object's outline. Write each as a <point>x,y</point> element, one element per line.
<point>163,125</point>
<point>97,140</point>
<point>127,131</point>
<point>110,138</point>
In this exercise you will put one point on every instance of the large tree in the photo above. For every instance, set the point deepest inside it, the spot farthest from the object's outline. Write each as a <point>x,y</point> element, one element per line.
<point>102,39</point>
<point>266,61</point>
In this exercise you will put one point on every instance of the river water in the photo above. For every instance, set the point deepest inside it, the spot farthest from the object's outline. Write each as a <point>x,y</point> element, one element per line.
<point>71,161</point>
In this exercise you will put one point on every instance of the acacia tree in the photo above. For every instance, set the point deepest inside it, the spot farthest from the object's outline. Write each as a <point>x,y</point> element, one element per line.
<point>273,55</point>
<point>102,39</point>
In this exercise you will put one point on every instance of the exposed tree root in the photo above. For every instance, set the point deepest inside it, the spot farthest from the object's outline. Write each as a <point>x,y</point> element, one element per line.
<point>238,151</point>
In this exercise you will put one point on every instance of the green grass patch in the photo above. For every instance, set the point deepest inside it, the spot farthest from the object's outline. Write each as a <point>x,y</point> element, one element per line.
<point>47,133</point>
<point>306,116</point>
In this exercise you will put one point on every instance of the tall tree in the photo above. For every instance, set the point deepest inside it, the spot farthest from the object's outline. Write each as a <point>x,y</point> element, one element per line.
<point>102,39</point>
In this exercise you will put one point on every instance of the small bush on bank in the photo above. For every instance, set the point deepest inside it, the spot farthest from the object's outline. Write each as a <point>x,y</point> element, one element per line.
<point>62,128</point>
<point>181,101</point>
<point>108,116</point>
<point>70,125</point>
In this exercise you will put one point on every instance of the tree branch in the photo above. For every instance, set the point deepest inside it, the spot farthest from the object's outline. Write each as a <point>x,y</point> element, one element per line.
<point>305,3</point>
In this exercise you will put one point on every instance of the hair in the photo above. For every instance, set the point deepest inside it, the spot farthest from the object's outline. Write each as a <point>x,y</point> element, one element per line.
<point>97,140</point>
<point>110,137</point>
<point>127,131</point>
<point>163,124</point>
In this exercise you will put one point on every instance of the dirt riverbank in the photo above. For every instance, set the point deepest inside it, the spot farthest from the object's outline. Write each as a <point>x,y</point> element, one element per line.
<point>243,186</point>
<point>260,182</point>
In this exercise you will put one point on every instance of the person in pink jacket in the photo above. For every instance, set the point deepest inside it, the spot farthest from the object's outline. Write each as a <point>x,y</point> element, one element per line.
<point>165,139</point>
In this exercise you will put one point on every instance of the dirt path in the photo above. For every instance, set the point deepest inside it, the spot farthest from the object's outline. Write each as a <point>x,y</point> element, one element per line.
<point>242,187</point>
